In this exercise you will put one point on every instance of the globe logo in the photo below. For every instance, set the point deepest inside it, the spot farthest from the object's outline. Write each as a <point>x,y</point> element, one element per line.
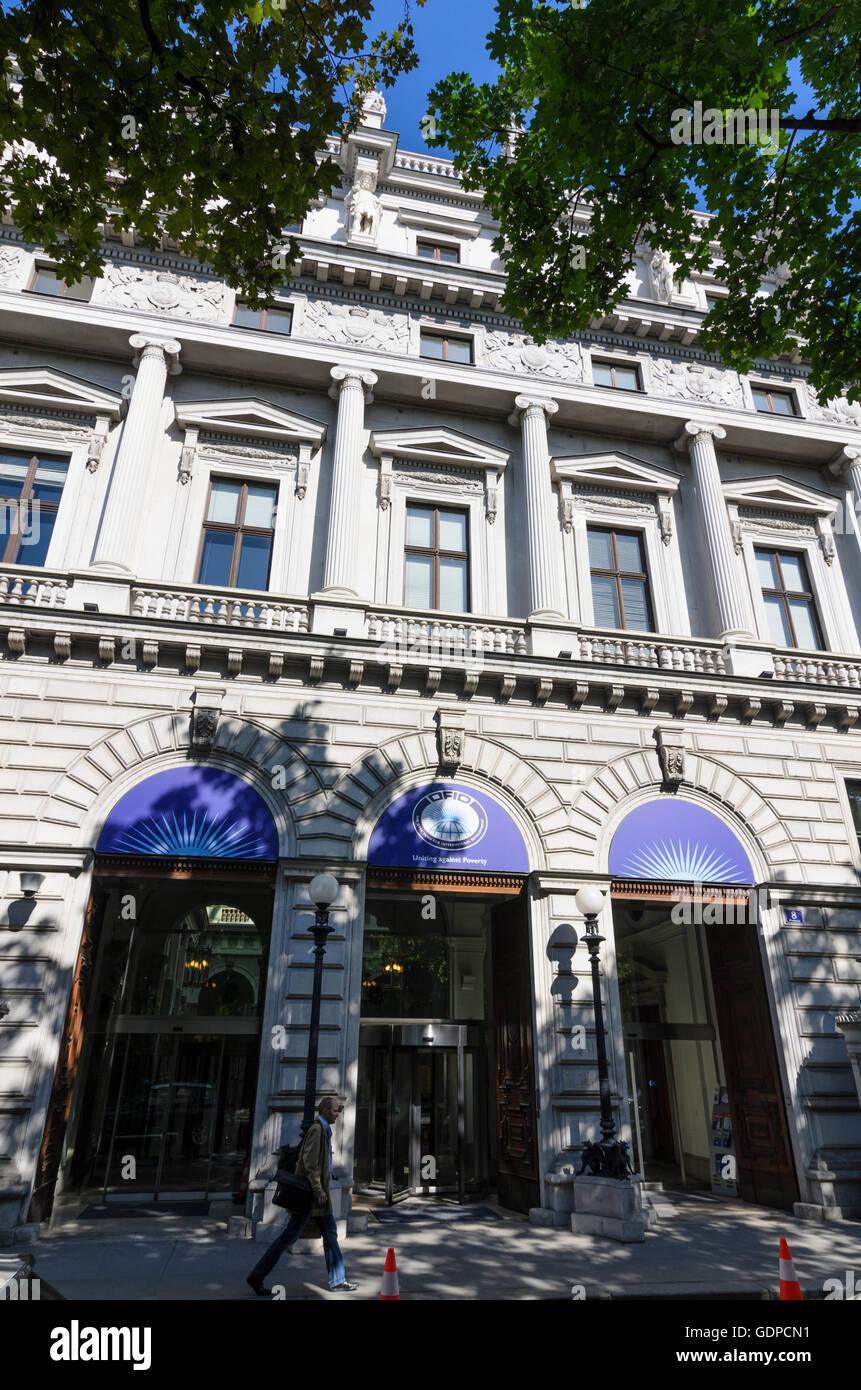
<point>449,820</point>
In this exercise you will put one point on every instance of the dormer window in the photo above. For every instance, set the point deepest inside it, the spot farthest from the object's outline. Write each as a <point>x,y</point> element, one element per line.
<point>437,251</point>
<point>771,402</point>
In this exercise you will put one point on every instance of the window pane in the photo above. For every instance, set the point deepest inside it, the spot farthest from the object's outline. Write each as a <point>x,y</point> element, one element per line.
<point>854,790</point>
<point>216,558</point>
<point>279,320</point>
<point>13,471</point>
<point>431,345</point>
<point>260,507</point>
<point>49,480</point>
<point>760,400</point>
<point>802,620</point>
<point>604,602</point>
<point>630,554</point>
<point>767,570</point>
<point>48,282</point>
<point>782,403</point>
<point>635,604</point>
<point>452,585</point>
<point>223,502</point>
<point>602,374</point>
<point>600,551</point>
<point>418,583</point>
<point>254,562</point>
<point>452,531</point>
<point>247,318</point>
<point>459,350</point>
<point>794,580</point>
<point>420,526</point>
<point>627,378</point>
<point>33,548</point>
<point>82,289</point>
<point>777,626</point>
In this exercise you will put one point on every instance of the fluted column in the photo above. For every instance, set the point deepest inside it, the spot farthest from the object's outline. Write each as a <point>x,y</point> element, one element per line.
<point>847,467</point>
<point>120,531</point>
<point>352,390</point>
<point>532,414</point>
<point>699,440</point>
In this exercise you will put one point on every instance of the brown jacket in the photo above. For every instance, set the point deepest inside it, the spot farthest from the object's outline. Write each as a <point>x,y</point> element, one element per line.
<point>313,1164</point>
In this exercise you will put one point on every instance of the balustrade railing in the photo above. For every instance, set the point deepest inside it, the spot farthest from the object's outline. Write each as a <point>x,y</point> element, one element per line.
<point>255,612</point>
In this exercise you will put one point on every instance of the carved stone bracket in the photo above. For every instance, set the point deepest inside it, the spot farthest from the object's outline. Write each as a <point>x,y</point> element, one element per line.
<point>671,756</point>
<point>451,739</point>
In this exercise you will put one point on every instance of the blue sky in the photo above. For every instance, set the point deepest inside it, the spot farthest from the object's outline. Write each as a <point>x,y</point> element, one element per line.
<point>450,37</point>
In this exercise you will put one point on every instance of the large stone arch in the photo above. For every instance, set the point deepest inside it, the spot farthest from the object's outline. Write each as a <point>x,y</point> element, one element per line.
<point>77,805</point>
<point>632,778</point>
<point>377,778</point>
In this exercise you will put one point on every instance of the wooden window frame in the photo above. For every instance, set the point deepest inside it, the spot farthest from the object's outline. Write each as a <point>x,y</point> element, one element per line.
<point>768,393</point>
<point>445,339</point>
<point>785,594</point>
<point>437,553</point>
<point>64,285</point>
<point>13,540</point>
<point>629,366</point>
<point>618,574</point>
<point>238,529</point>
<point>436,247</point>
<point>260,327</point>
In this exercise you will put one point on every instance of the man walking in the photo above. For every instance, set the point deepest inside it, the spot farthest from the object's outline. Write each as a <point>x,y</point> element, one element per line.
<point>315,1164</point>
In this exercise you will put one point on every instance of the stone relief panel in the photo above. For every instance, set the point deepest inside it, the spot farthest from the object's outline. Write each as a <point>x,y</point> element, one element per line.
<point>356,326</point>
<point>11,266</point>
<point>512,352</point>
<point>162,292</point>
<point>696,381</point>
<point>837,412</point>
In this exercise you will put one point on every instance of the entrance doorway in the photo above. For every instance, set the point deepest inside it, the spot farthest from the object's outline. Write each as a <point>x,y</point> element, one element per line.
<point>446,1091</point>
<point>163,1104</point>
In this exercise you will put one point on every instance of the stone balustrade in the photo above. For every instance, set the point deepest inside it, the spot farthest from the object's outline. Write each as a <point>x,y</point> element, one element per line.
<point>193,604</point>
<point>443,640</point>
<point>818,669</point>
<point>683,654</point>
<point>36,589</point>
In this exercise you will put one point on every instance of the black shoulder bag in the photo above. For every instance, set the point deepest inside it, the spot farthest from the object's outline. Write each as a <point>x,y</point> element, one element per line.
<point>292,1193</point>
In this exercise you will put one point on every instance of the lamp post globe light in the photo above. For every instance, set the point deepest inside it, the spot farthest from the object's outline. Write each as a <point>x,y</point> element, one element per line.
<point>322,890</point>
<point>608,1157</point>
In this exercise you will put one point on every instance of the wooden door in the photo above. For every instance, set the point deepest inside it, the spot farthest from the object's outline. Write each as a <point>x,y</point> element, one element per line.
<point>516,1120</point>
<point>766,1172</point>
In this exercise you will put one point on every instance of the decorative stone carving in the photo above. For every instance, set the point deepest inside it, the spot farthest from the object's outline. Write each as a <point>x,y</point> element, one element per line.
<point>512,352</point>
<point>696,381</point>
<point>451,738</point>
<point>356,326</point>
<point>775,521</point>
<point>567,515</point>
<point>671,756</point>
<point>95,448</point>
<point>14,423</point>
<point>597,498</point>
<point>11,258</point>
<point>204,726</point>
<point>665,518</point>
<point>837,412</point>
<point>364,206</point>
<point>385,491</point>
<point>374,104</point>
<point>162,292</point>
<point>466,480</point>
<point>663,275</point>
<point>186,463</point>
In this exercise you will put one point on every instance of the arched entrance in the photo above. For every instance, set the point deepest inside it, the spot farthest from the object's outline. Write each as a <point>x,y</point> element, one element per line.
<point>169,995</point>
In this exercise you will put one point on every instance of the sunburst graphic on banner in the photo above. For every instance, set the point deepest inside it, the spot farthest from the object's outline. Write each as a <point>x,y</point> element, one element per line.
<point>670,859</point>
<point>198,834</point>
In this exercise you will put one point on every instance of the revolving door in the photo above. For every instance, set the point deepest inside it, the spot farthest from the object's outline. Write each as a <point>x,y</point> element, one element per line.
<point>420,1111</point>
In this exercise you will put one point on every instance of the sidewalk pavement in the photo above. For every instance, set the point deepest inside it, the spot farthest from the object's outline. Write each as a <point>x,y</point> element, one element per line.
<point>709,1249</point>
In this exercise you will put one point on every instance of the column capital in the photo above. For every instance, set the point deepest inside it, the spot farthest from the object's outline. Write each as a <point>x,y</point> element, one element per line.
<point>168,349</point>
<point>531,405</point>
<point>845,460</point>
<point>694,428</point>
<point>352,379</point>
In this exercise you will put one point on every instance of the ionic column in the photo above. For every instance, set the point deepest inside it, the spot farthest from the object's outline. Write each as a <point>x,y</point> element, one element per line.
<point>847,466</point>
<point>120,531</point>
<point>532,414</point>
<point>699,439</point>
<point>352,390</point>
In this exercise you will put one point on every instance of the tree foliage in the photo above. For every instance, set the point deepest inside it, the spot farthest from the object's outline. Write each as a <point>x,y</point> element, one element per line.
<point>591,89</point>
<point>199,121</point>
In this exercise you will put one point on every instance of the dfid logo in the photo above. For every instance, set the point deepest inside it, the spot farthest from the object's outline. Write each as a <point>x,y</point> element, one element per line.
<point>449,819</point>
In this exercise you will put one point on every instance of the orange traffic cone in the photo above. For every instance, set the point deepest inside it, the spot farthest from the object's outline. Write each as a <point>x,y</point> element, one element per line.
<point>789,1285</point>
<point>389,1289</point>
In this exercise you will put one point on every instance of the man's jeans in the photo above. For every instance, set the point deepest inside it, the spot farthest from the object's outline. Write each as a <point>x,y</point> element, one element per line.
<point>290,1234</point>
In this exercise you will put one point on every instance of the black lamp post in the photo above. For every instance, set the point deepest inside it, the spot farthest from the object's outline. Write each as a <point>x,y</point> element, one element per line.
<point>323,891</point>
<point>608,1157</point>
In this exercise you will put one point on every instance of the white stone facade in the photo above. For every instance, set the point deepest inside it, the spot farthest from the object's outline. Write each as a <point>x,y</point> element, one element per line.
<point>149,390</point>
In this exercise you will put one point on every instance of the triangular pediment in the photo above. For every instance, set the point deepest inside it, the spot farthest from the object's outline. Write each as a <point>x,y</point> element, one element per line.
<point>613,469</point>
<point>43,388</point>
<point>437,444</point>
<point>778,494</point>
<point>250,416</point>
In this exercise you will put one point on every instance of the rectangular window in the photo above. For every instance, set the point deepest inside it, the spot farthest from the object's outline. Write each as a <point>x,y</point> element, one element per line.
<point>774,402</point>
<point>436,559</point>
<point>788,598</point>
<point>236,549</point>
<point>30,490</point>
<point>276,318</point>
<point>616,375</point>
<point>620,584</point>
<point>47,281</point>
<point>445,348</point>
<point>432,251</point>
<point>854,792</point>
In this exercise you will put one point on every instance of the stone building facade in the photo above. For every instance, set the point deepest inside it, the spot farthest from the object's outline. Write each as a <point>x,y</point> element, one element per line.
<point>374,571</point>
